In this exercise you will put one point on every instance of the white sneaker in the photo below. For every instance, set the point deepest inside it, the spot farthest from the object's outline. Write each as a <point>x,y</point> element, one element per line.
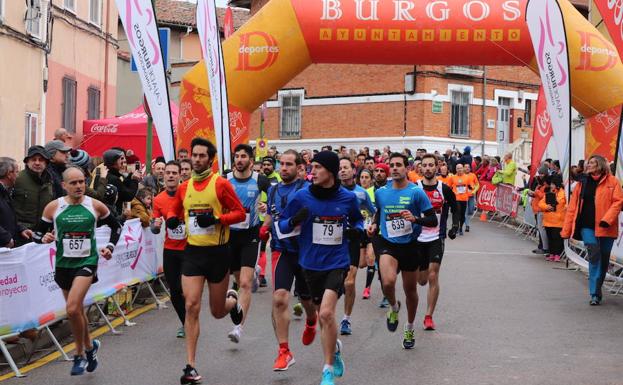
<point>235,334</point>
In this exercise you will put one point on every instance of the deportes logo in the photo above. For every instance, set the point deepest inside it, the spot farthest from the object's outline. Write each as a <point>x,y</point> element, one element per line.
<point>258,51</point>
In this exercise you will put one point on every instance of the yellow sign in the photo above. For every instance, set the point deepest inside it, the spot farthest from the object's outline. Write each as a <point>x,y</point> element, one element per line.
<point>261,148</point>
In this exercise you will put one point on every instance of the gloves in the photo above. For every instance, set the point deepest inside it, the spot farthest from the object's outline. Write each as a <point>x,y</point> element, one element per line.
<point>206,220</point>
<point>353,234</point>
<point>452,232</point>
<point>173,223</point>
<point>299,217</point>
<point>604,224</point>
<point>264,233</point>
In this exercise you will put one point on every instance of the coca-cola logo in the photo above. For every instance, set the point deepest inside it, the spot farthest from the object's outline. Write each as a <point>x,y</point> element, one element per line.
<point>104,128</point>
<point>544,124</point>
<point>486,196</point>
<point>617,7</point>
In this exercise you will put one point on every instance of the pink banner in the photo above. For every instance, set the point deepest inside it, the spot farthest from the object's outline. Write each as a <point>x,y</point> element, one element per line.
<point>541,134</point>
<point>506,200</point>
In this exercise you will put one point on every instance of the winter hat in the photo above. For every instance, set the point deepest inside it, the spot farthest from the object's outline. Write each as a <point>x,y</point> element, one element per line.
<point>467,150</point>
<point>111,156</point>
<point>328,160</point>
<point>37,150</point>
<point>383,167</point>
<point>79,158</point>
<point>543,170</point>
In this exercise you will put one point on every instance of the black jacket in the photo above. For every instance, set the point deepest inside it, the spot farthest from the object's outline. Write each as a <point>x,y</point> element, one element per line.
<point>9,228</point>
<point>126,187</point>
<point>56,172</point>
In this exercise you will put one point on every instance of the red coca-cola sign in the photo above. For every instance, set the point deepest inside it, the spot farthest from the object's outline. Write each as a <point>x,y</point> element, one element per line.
<point>486,197</point>
<point>104,128</point>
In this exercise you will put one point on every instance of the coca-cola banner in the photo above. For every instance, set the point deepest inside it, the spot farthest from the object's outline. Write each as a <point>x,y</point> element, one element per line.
<point>612,15</point>
<point>486,197</point>
<point>506,200</point>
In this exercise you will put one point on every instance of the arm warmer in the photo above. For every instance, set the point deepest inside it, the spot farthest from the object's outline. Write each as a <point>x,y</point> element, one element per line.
<point>42,227</point>
<point>115,228</point>
<point>429,220</point>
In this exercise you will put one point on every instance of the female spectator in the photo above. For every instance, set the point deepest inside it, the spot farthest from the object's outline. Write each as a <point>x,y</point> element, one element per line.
<point>444,173</point>
<point>494,166</point>
<point>482,168</point>
<point>141,206</point>
<point>592,217</point>
<point>553,205</point>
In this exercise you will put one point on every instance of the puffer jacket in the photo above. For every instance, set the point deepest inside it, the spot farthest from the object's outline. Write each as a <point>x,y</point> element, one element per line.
<point>554,218</point>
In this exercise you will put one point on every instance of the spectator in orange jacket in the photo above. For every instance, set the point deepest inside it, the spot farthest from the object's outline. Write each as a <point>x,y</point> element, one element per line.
<point>553,205</point>
<point>461,185</point>
<point>592,217</point>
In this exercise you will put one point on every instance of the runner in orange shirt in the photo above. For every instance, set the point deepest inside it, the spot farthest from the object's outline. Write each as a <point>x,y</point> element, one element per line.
<point>444,174</point>
<point>471,201</point>
<point>415,175</point>
<point>461,185</point>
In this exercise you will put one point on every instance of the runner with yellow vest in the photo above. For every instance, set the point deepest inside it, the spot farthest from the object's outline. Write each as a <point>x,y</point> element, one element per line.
<point>209,205</point>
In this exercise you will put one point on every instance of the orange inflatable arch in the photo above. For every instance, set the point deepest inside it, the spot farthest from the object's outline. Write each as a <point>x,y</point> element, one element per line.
<point>286,36</point>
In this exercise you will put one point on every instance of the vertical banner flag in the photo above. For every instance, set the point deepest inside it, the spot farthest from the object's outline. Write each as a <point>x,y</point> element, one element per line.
<point>612,15</point>
<point>207,26</point>
<point>541,133</point>
<point>228,23</point>
<point>141,28</point>
<point>547,30</point>
<point>601,133</point>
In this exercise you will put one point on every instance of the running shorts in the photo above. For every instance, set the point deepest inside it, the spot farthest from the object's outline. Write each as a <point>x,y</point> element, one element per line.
<point>319,281</point>
<point>431,251</point>
<point>211,262</point>
<point>64,276</point>
<point>407,255</point>
<point>285,269</point>
<point>244,246</point>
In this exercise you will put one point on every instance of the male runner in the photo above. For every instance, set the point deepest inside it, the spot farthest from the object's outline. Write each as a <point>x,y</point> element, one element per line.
<point>400,207</point>
<point>209,206</point>
<point>471,195</point>
<point>357,247</point>
<point>381,173</point>
<point>244,238</point>
<point>174,241</point>
<point>74,219</point>
<point>285,260</point>
<point>431,240</point>
<point>324,210</point>
<point>461,185</point>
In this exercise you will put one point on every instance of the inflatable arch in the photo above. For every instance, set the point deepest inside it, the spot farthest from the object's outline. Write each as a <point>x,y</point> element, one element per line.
<point>286,36</point>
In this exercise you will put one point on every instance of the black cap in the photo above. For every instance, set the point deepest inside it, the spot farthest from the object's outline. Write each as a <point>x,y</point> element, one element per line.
<point>328,160</point>
<point>37,150</point>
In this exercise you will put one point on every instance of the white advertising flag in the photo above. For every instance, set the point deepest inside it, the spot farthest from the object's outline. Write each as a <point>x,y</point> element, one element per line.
<point>547,30</point>
<point>207,27</point>
<point>142,31</point>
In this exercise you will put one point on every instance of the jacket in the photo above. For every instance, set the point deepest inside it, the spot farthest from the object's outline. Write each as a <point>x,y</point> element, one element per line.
<point>554,218</point>
<point>9,228</point>
<point>509,172</point>
<point>539,193</point>
<point>56,172</point>
<point>141,212</point>
<point>31,194</point>
<point>608,203</point>
<point>126,187</point>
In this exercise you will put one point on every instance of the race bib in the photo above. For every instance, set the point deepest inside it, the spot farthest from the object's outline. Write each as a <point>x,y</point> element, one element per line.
<point>178,233</point>
<point>461,189</point>
<point>244,225</point>
<point>76,245</point>
<point>398,227</point>
<point>293,233</point>
<point>327,231</point>
<point>193,226</point>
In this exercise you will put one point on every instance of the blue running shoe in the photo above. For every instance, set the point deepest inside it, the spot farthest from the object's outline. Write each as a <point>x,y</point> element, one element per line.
<point>327,378</point>
<point>345,328</point>
<point>384,303</point>
<point>92,356</point>
<point>338,362</point>
<point>80,363</point>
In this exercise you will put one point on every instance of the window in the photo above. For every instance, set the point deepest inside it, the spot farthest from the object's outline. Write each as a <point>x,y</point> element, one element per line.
<point>460,113</point>
<point>95,12</point>
<point>70,5</point>
<point>527,117</point>
<point>94,103</point>
<point>30,130</point>
<point>69,105</point>
<point>290,104</point>
<point>33,17</point>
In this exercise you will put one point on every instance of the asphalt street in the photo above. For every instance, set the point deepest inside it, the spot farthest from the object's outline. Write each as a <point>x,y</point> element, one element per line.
<point>505,316</point>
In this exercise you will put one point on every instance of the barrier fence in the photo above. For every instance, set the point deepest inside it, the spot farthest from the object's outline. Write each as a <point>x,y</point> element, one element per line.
<point>30,299</point>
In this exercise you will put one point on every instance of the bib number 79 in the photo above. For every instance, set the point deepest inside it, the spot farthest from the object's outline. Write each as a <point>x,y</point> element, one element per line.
<point>327,230</point>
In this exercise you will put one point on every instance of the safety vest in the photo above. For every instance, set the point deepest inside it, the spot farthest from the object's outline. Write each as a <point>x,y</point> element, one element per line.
<point>437,200</point>
<point>202,202</point>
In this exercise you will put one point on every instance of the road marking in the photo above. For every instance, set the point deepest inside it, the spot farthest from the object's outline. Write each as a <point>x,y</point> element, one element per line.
<point>518,252</point>
<point>68,348</point>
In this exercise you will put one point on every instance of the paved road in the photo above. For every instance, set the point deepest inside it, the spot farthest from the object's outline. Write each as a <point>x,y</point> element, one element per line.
<point>505,317</point>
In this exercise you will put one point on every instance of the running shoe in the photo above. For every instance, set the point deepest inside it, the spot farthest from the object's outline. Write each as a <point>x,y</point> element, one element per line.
<point>555,258</point>
<point>338,362</point>
<point>345,328</point>
<point>366,293</point>
<point>297,309</point>
<point>80,364</point>
<point>460,231</point>
<point>309,333</point>
<point>190,376</point>
<point>236,312</point>
<point>181,333</point>
<point>92,356</point>
<point>235,334</point>
<point>548,257</point>
<point>408,341</point>
<point>467,229</point>
<point>392,319</point>
<point>263,281</point>
<point>327,377</point>
<point>539,251</point>
<point>594,301</point>
<point>256,279</point>
<point>284,360</point>
<point>384,303</point>
<point>428,323</point>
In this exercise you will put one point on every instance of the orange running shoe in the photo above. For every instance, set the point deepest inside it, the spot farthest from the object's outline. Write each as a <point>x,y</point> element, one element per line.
<point>309,333</point>
<point>284,360</point>
<point>428,323</point>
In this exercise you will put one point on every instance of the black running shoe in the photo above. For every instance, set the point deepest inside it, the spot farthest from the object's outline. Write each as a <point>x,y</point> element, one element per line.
<point>236,312</point>
<point>190,376</point>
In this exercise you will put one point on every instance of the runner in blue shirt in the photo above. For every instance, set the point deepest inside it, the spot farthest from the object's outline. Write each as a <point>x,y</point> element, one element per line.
<point>285,260</point>
<point>357,247</point>
<point>328,215</point>
<point>402,210</point>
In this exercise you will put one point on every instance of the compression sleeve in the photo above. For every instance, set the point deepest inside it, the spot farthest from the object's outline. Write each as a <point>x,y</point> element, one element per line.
<point>115,229</point>
<point>429,220</point>
<point>43,226</point>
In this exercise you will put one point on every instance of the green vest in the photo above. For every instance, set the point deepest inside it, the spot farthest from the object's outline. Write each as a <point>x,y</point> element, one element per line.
<point>75,234</point>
